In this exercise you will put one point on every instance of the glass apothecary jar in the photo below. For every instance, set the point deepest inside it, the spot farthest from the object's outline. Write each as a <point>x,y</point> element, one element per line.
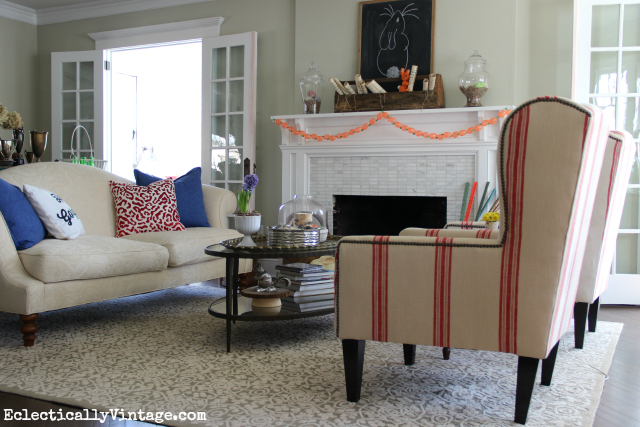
<point>311,87</point>
<point>302,211</point>
<point>474,81</point>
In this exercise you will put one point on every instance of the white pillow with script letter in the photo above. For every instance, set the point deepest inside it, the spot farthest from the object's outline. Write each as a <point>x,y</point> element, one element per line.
<point>58,218</point>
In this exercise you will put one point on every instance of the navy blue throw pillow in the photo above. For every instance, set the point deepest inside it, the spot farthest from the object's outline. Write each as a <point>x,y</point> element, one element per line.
<point>24,225</point>
<point>188,195</point>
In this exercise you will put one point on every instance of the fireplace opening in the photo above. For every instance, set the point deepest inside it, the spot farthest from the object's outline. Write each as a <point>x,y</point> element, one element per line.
<point>386,215</point>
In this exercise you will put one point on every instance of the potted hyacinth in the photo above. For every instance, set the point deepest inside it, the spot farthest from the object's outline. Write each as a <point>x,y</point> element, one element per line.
<point>246,222</point>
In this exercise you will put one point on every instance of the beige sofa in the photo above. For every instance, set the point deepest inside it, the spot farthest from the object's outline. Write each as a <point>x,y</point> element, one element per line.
<point>97,266</point>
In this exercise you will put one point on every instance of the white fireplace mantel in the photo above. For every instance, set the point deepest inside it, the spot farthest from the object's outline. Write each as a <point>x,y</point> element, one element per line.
<point>384,160</point>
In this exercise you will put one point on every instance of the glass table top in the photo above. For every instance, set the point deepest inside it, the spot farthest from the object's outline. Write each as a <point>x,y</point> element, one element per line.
<point>262,249</point>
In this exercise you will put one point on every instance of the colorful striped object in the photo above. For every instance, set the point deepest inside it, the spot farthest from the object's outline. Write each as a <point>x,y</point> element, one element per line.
<point>470,203</point>
<point>464,201</point>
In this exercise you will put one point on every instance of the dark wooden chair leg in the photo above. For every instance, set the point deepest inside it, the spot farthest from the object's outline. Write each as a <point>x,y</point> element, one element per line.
<point>548,364</point>
<point>409,354</point>
<point>580,322</point>
<point>29,328</point>
<point>593,314</point>
<point>527,369</point>
<point>353,354</point>
<point>446,353</point>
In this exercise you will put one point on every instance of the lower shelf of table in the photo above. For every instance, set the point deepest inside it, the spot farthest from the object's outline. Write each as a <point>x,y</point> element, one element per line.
<point>246,312</point>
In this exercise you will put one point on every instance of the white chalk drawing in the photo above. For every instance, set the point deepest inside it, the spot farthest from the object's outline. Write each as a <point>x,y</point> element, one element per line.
<point>394,43</point>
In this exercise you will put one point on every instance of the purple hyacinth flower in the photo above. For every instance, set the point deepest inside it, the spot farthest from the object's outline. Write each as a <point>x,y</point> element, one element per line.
<point>250,182</point>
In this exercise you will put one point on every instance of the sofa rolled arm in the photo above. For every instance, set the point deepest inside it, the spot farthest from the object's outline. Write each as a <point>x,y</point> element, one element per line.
<point>218,203</point>
<point>19,292</point>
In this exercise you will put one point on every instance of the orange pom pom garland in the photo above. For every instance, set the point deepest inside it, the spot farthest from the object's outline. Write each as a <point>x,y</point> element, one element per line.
<point>397,124</point>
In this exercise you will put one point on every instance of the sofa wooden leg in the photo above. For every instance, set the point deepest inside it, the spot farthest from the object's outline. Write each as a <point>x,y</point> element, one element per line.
<point>548,364</point>
<point>353,354</point>
<point>446,353</point>
<point>527,369</point>
<point>409,354</point>
<point>580,322</point>
<point>29,328</point>
<point>593,314</point>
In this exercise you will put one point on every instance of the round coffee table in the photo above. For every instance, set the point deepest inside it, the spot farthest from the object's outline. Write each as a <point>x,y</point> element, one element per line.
<point>233,307</point>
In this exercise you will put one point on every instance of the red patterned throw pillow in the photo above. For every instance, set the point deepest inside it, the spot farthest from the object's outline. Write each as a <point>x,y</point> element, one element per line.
<point>145,209</point>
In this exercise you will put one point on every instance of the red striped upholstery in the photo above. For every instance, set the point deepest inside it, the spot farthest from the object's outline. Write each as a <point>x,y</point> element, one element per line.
<point>475,233</point>
<point>607,213</point>
<point>510,290</point>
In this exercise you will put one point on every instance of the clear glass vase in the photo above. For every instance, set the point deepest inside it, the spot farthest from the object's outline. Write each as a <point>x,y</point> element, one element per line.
<point>474,81</point>
<point>311,88</point>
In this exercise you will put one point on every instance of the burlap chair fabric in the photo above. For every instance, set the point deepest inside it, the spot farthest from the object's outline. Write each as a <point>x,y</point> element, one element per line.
<point>607,213</point>
<point>514,293</point>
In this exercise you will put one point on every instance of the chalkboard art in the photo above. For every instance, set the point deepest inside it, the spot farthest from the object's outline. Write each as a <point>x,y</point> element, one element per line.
<point>394,35</point>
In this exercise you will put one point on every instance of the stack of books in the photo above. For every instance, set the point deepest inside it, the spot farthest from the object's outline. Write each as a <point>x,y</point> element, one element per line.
<point>311,287</point>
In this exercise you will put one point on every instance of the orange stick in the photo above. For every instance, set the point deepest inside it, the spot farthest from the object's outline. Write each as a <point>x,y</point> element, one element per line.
<point>471,196</point>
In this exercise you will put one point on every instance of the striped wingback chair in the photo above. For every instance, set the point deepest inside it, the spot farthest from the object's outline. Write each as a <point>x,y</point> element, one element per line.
<point>603,231</point>
<point>512,294</point>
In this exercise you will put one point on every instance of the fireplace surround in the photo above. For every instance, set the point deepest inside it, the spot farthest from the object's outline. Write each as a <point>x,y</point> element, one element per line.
<point>385,161</point>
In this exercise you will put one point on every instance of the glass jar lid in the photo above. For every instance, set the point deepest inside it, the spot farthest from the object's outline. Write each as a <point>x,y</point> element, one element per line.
<point>312,75</point>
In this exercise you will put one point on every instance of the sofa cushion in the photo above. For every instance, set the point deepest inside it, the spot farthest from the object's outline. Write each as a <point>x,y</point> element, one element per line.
<point>188,195</point>
<point>25,227</point>
<point>145,209</point>
<point>186,247</point>
<point>91,257</point>
<point>57,216</point>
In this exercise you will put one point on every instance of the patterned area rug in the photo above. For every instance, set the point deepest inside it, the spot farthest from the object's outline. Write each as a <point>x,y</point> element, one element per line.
<point>163,352</point>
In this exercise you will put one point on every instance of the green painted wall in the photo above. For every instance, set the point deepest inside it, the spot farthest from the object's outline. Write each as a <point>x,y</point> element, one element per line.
<point>272,19</point>
<point>18,71</point>
<point>527,44</point>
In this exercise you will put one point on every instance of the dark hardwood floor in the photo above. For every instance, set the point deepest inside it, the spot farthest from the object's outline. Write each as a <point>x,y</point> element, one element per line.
<point>619,406</point>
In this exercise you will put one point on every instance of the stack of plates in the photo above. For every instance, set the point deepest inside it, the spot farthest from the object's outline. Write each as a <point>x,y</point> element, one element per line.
<point>292,237</point>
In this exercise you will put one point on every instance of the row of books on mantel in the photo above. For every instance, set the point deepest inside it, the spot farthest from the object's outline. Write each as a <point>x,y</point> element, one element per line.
<point>311,286</point>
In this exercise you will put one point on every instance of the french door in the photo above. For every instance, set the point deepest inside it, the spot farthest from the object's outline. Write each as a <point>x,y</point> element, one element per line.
<point>608,75</point>
<point>228,109</point>
<point>81,95</point>
<point>78,82</point>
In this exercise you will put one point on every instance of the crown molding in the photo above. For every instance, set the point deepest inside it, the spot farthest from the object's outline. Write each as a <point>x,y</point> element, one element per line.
<point>99,8</point>
<point>161,33</point>
<point>18,13</point>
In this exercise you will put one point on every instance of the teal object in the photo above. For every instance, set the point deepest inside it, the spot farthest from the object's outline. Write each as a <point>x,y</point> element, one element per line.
<point>487,202</point>
<point>464,201</point>
<point>484,194</point>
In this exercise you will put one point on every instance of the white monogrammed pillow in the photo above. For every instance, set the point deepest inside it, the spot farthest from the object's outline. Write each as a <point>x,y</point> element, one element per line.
<point>55,214</point>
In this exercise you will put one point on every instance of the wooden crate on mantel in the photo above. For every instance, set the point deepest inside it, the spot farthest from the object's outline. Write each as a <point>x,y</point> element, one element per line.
<point>392,100</point>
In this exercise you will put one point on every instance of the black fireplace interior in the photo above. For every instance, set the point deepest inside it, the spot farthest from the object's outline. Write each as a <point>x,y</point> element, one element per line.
<point>386,215</point>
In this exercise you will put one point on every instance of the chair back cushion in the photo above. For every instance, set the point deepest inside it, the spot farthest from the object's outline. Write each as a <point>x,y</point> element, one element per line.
<point>607,213</point>
<point>550,156</point>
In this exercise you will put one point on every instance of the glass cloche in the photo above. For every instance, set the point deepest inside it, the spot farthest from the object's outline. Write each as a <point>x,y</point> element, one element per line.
<point>302,211</point>
<point>474,81</point>
<point>311,87</point>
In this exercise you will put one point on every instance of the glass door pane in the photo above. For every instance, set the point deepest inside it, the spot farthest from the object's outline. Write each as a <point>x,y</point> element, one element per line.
<point>76,100</point>
<point>77,109</point>
<point>230,118</point>
<point>604,26</point>
<point>608,75</point>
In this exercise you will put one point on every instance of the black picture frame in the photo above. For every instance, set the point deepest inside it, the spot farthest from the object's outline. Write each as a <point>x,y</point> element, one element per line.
<point>396,33</point>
